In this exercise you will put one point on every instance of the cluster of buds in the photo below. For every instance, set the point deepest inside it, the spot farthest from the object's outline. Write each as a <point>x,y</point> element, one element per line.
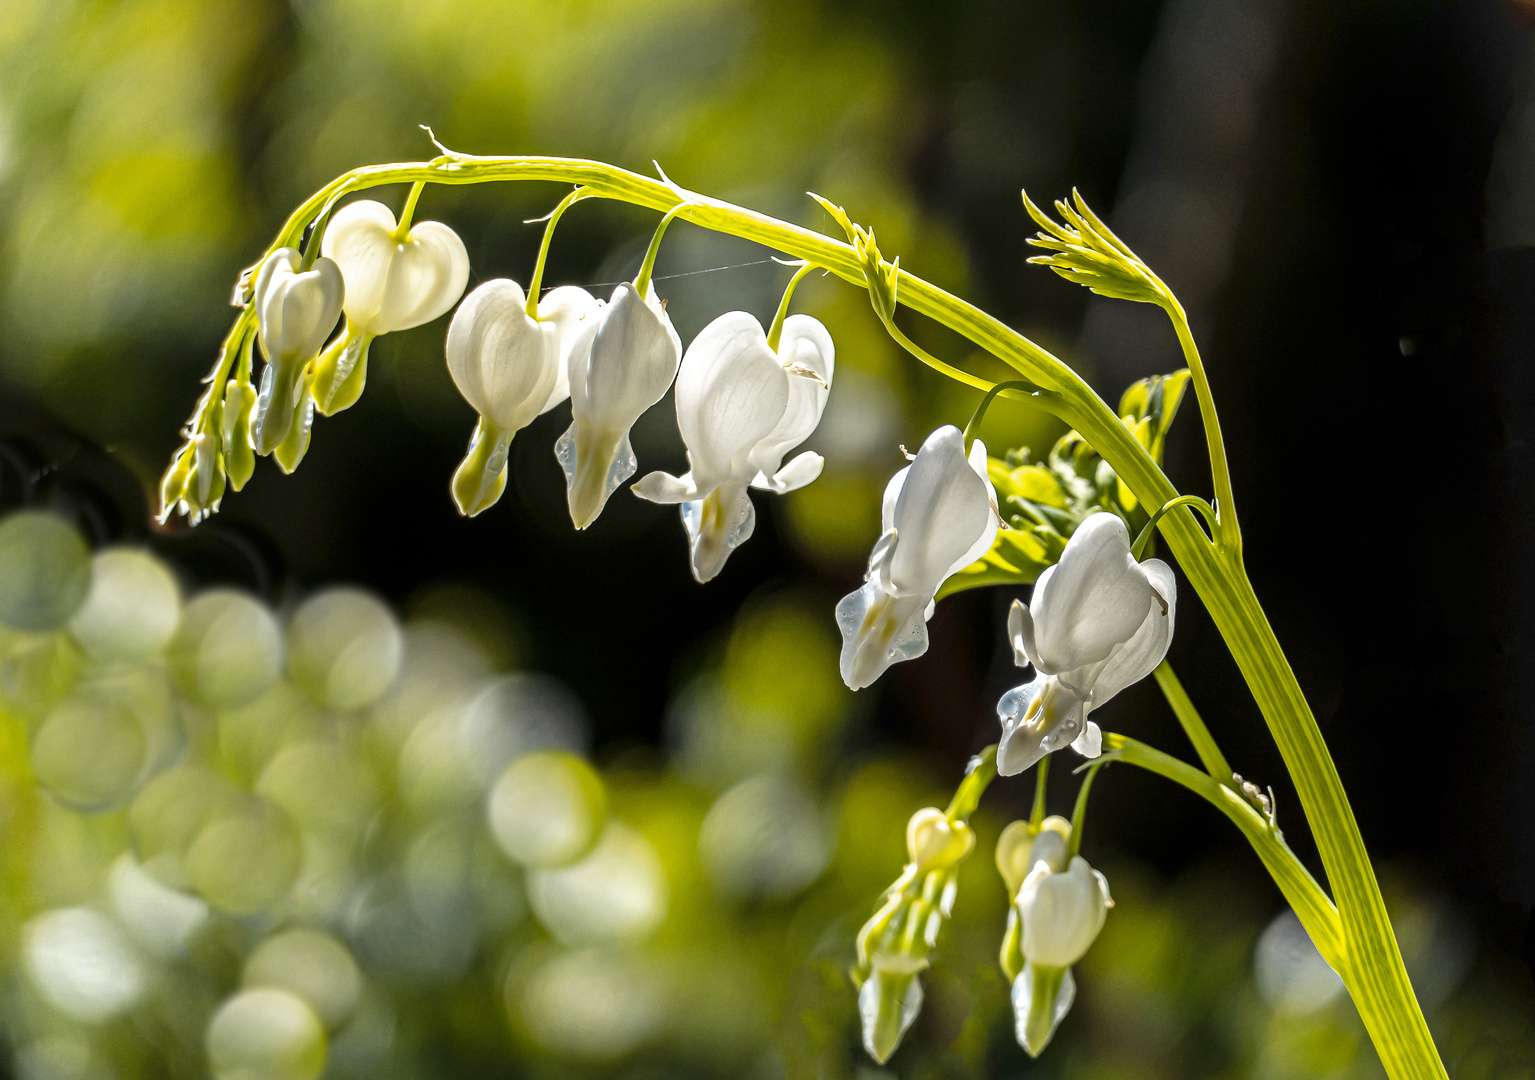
<point>894,946</point>
<point>382,275</point>
<point>1059,904</point>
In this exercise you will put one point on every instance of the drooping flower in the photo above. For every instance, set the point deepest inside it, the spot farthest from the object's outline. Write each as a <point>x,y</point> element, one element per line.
<point>393,282</point>
<point>295,312</point>
<point>505,364</point>
<point>633,358</point>
<point>1062,908</point>
<point>740,406</point>
<point>1098,622</point>
<point>938,515</point>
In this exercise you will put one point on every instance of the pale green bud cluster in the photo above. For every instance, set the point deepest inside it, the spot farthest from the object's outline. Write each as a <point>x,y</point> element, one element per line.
<point>1085,251</point>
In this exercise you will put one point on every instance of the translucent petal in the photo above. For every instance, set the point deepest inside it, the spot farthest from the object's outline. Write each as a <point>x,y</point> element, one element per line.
<point>296,311</point>
<point>595,463</point>
<point>573,311</point>
<point>663,487</point>
<point>1020,631</point>
<point>879,630</point>
<point>1038,718</point>
<point>1041,1000</point>
<point>716,525</point>
<point>1062,913</point>
<point>1090,743</point>
<point>801,471</point>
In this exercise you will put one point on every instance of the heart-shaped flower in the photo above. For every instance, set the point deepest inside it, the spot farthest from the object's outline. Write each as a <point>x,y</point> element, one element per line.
<point>394,280</point>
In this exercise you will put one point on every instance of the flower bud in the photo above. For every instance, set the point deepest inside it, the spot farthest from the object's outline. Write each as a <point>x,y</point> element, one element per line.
<point>173,484</point>
<point>1020,846</point>
<point>634,357</point>
<point>205,484</point>
<point>295,312</point>
<point>933,842</point>
<point>239,454</point>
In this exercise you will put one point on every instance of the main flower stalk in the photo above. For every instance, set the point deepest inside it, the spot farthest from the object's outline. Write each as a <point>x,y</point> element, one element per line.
<point>1367,956</point>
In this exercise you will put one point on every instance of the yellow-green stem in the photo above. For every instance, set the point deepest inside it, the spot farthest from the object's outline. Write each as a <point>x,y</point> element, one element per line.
<point>776,330</point>
<point>1193,725</point>
<point>536,284</point>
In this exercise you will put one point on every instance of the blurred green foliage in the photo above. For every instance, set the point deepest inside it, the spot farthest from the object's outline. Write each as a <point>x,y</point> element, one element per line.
<point>265,844</point>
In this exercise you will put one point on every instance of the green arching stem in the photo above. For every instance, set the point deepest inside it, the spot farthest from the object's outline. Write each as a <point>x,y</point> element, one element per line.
<point>1182,500</point>
<point>1041,773</point>
<point>1079,812</point>
<point>536,284</point>
<point>1188,717</point>
<point>1315,911</point>
<point>642,279</point>
<point>776,330</point>
<point>402,230</point>
<point>1228,534</point>
<point>1373,971</point>
<point>980,410</point>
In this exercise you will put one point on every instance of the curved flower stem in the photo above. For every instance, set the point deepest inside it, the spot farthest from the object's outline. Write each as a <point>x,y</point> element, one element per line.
<point>979,415</point>
<point>1316,912</point>
<point>1372,966</point>
<point>775,332</point>
<point>536,284</point>
<point>642,279</point>
<point>1193,726</point>
<point>1137,548</point>
<point>402,228</point>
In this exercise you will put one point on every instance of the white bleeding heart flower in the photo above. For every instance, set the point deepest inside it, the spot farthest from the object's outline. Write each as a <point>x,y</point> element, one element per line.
<point>734,394</point>
<point>295,312</point>
<point>1098,622</point>
<point>393,282</point>
<point>1062,911</point>
<point>805,350</point>
<point>505,364</point>
<point>938,516</point>
<point>633,358</point>
<point>573,311</point>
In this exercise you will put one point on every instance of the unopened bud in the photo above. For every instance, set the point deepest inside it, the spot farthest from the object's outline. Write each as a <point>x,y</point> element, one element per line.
<point>173,484</point>
<point>1020,846</point>
<point>239,455</point>
<point>934,842</point>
